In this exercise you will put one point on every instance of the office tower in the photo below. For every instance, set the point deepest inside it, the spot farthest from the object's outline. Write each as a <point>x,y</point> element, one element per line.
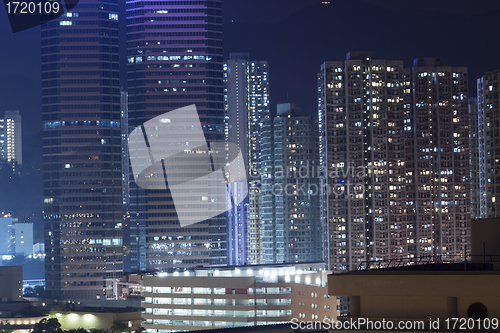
<point>11,149</point>
<point>396,160</point>
<point>174,56</point>
<point>82,152</point>
<point>488,113</point>
<point>291,225</point>
<point>475,189</point>
<point>246,89</point>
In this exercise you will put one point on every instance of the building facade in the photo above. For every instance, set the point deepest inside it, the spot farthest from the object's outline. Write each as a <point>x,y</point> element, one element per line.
<point>82,152</point>
<point>237,296</point>
<point>442,173</point>
<point>291,224</point>
<point>15,238</point>
<point>174,59</point>
<point>246,89</point>
<point>11,148</point>
<point>11,279</point>
<point>488,115</point>
<point>2,140</point>
<point>395,160</point>
<point>23,233</point>
<point>475,188</point>
<point>7,236</point>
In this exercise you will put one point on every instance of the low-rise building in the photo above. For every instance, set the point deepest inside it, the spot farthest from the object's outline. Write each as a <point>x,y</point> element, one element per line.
<point>15,238</point>
<point>236,296</point>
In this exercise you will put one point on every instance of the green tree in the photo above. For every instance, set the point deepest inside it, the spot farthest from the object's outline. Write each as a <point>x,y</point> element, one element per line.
<point>29,292</point>
<point>95,330</point>
<point>39,291</point>
<point>5,327</point>
<point>78,330</point>
<point>120,327</point>
<point>45,325</point>
<point>139,329</point>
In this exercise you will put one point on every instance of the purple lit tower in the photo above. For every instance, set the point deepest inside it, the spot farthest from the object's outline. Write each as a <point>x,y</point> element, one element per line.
<point>174,59</point>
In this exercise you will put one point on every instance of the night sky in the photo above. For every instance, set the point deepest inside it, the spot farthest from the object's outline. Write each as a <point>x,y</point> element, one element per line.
<point>295,36</point>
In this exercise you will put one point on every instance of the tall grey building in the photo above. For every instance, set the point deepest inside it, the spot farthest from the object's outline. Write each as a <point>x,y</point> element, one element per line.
<point>291,224</point>
<point>442,167</point>
<point>246,89</point>
<point>488,128</point>
<point>475,188</point>
<point>174,59</point>
<point>395,160</point>
<point>82,152</point>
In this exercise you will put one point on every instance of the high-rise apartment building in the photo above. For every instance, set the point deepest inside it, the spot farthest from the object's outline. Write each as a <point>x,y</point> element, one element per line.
<point>442,168</point>
<point>246,89</point>
<point>174,55</point>
<point>488,118</point>
<point>475,188</point>
<point>361,110</point>
<point>394,147</point>
<point>11,149</point>
<point>82,152</point>
<point>291,221</point>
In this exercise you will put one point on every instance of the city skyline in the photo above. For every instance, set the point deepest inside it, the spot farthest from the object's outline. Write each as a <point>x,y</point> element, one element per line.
<point>412,199</point>
<point>215,163</point>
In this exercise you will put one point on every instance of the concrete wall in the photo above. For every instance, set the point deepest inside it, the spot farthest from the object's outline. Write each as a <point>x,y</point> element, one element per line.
<point>418,295</point>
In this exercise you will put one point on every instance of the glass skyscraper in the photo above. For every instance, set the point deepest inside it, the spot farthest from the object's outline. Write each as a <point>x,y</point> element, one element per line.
<point>82,152</point>
<point>174,59</point>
